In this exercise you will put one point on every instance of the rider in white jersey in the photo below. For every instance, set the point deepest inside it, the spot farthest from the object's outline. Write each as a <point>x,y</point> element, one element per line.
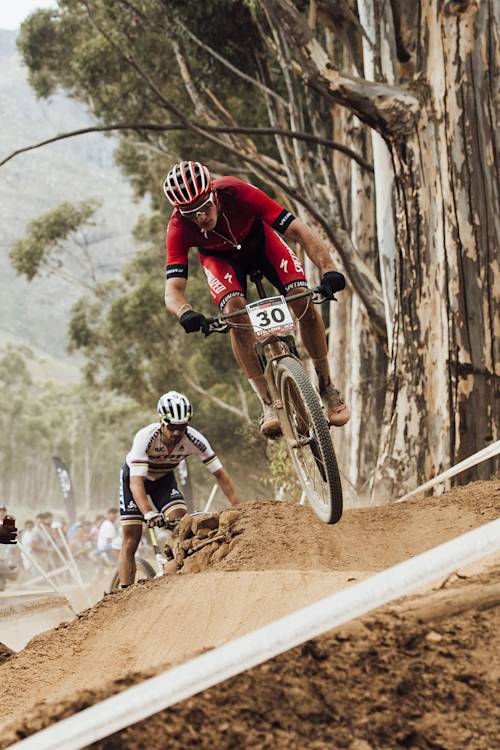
<point>148,490</point>
<point>150,456</point>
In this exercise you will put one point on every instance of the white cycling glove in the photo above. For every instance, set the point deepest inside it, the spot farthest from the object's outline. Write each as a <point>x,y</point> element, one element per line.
<point>154,518</point>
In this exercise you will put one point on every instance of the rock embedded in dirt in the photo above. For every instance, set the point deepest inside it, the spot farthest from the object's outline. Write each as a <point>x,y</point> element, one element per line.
<point>184,530</point>
<point>208,530</point>
<point>206,521</point>
<point>433,637</point>
<point>226,520</point>
<point>221,552</point>
<point>204,533</point>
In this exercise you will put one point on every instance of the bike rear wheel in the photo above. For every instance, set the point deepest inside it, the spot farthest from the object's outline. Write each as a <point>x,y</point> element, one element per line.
<point>308,439</point>
<point>143,570</point>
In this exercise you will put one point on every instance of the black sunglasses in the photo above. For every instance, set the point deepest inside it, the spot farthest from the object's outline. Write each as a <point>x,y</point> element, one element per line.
<point>177,427</point>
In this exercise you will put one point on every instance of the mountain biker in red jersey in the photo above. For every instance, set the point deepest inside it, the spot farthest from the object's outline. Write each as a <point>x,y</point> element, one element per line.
<point>234,226</point>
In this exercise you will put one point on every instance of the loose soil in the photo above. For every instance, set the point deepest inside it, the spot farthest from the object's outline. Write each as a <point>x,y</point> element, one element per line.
<point>420,676</point>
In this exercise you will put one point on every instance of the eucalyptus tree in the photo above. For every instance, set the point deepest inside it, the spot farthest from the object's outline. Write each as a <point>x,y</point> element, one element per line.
<point>432,101</point>
<point>375,122</point>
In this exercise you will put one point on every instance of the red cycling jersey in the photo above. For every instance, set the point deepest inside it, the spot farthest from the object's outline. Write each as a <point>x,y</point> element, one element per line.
<point>240,205</point>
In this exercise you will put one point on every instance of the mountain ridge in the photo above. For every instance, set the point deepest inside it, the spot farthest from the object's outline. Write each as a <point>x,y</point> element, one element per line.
<point>37,313</point>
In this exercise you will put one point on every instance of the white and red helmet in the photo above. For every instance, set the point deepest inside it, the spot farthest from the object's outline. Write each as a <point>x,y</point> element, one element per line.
<point>186,183</point>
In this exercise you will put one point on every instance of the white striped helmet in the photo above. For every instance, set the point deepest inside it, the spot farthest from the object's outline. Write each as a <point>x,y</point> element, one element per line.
<point>174,408</point>
<point>186,183</point>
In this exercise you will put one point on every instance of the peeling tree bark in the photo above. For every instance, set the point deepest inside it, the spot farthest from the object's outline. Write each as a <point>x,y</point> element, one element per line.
<point>444,372</point>
<point>441,132</point>
<point>388,109</point>
<point>365,380</point>
<point>384,175</point>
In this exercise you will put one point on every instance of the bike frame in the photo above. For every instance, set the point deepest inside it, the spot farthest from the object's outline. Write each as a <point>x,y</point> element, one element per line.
<point>273,347</point>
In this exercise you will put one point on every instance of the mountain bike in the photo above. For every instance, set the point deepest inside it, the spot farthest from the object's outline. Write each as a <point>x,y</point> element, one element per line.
<point>299,407</point>
<point>144,569</point>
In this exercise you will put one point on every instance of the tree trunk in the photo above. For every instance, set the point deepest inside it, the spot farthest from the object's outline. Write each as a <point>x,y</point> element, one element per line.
<point>439,125</point>
<point>381,30</point>
<point>368,361</point>
<point>440,404</point>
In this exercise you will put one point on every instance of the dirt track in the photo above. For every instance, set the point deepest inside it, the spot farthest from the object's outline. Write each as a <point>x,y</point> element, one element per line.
<point>283,557</point>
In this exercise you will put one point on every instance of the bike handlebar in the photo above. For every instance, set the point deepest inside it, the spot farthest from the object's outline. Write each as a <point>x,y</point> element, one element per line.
<point>218,324</point>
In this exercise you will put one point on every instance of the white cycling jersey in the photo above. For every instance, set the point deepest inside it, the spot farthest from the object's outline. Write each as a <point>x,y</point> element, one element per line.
<point>149,456</point>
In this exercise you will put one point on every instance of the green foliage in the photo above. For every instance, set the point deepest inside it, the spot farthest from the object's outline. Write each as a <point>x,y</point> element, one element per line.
<point>46,239</point>
<point>89,428</point>
<point>99,60</point>
<point>135,348</point>
<point>118,58</point>
<point>282,473</point>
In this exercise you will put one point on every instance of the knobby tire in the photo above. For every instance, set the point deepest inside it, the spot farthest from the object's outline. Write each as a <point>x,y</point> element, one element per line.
<point>290,369</point>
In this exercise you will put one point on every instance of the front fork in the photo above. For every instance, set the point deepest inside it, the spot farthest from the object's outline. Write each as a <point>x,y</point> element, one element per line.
<point>270,352</point>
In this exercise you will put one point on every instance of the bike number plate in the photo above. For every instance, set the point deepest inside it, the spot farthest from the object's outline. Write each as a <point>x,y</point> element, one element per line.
<point>270,316</point>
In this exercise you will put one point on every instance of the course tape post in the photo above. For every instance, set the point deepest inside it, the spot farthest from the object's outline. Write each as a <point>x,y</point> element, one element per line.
<point>483,455</point>
<point>175,685</point>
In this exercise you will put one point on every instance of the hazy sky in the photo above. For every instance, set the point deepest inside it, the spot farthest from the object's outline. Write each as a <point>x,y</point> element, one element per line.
<point>13,12</point>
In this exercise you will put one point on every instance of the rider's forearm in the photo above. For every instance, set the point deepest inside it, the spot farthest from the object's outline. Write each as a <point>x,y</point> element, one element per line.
<point>227,486</point>
<point>311,244</point>
<point>139,494</point>
<point>175,298</point>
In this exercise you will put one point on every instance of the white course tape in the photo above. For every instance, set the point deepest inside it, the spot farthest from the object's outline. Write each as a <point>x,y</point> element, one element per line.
<point>489,452</point>
<point>213,667</point>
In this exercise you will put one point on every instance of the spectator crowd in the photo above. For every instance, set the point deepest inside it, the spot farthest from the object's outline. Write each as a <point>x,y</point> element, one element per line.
<point>48,539</point>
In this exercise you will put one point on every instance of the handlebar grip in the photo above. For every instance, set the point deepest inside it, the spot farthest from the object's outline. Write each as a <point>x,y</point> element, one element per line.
<point>216,325</point>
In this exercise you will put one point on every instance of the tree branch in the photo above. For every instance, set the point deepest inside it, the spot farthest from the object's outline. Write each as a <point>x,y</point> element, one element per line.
<point>138,126</point>
<point>391,110</point>
<point>231,67</point>
<point>200,108</point>
<point>353,264</point>
<point>222,404</point>
<point>363,281</point>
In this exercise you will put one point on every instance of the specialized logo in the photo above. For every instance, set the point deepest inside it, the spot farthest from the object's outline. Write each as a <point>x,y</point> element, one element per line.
<point>296,262</point>
<point>294,285</point>
<point>229,277</point>
<point>284,218</point>
<point>213,282</point>
<point>283,221</point>
<point>284,265</point>
<point>178,270</point>
<point>229,296</point>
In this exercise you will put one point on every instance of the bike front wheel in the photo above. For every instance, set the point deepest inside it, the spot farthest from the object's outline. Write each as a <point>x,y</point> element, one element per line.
<point>308,438</point>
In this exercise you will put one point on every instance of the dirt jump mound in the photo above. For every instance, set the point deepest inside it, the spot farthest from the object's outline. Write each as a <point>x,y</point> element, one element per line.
<point>231,573</point>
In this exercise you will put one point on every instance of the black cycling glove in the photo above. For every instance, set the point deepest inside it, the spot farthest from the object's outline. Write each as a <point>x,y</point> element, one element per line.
<point>193,321</point>
<point>332,281</point>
